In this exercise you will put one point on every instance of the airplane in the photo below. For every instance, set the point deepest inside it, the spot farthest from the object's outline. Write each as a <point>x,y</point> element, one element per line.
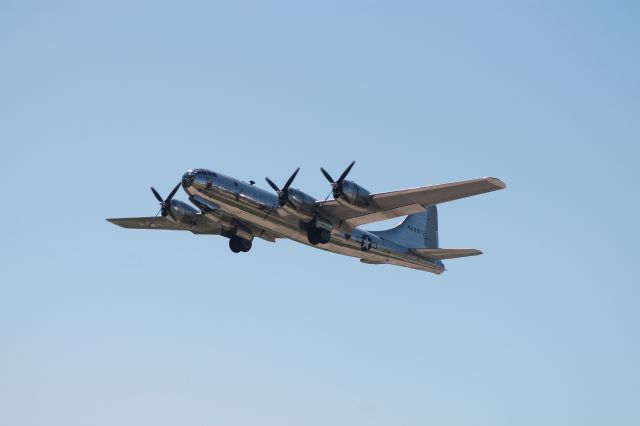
<point>240,211</point>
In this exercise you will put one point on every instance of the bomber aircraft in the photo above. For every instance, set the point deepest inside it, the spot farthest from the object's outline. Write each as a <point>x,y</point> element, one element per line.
<point>240,211</point>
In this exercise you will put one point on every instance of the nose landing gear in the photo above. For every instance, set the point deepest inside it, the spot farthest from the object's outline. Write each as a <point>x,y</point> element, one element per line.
<point>238,245</point>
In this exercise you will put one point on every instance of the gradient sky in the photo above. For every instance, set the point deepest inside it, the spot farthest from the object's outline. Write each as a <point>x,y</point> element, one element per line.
<point>104,326</point>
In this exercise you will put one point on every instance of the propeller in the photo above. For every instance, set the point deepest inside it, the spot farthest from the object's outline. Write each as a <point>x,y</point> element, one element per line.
<point>165,205</point>
<point>337,185</point>
<point>283,194</point>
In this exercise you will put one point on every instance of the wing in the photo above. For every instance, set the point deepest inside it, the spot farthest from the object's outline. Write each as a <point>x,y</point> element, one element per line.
<point>439,254</point>
<point>202,226</point>
<point>388,205</point>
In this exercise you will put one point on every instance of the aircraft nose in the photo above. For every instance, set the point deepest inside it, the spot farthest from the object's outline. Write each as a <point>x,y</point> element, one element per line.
<point>187,179</point>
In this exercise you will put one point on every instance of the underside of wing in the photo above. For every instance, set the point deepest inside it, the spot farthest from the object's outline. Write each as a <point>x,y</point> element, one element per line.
<point>441,254</point>
<point>387,205</point>
<point>202,225</point>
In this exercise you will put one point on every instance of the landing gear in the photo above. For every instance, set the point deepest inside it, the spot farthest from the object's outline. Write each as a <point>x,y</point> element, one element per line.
<point>318,236</point>
<point>238,245</point>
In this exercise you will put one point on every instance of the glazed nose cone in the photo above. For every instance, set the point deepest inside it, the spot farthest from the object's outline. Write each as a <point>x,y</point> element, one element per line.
<point>187,179</point>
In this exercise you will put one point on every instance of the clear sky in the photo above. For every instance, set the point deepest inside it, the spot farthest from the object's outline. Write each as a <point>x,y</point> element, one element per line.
<point>103,326</point>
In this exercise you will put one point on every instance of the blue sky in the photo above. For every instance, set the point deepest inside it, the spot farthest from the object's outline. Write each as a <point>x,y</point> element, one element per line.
<point>99,325</point>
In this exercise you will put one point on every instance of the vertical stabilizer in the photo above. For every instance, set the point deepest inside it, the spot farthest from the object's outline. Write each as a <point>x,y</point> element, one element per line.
<point>431,238</point>
<point>418,230</point>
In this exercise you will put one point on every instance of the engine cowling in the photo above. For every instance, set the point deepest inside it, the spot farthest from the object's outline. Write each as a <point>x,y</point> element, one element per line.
<point>300,204</point>
<point>353,196</point>
<point>181,212</point>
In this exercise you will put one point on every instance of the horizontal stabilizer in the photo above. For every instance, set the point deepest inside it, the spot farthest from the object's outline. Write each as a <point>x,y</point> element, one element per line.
<point>440,253</point>
<point>371,262</point>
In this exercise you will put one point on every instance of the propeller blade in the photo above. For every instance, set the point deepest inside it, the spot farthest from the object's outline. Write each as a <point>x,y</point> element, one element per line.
<point>326,175</point>
<point>326,198</point>
<point>172,193</point>
<point>154,218</point>
<point>290,181</point>
<point>158,197</point>
<point>272,185</point>
<point>346,172</point>
<point>165,205</point>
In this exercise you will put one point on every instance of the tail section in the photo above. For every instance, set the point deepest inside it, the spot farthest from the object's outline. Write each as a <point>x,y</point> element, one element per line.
<point>431,236</point>
<point>440,254</point>
<point>419,233</point>
<point>418,230</point>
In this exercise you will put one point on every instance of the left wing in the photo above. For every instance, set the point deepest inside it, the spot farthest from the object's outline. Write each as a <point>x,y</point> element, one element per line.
<point>387,205</point>
<point>201,226</point>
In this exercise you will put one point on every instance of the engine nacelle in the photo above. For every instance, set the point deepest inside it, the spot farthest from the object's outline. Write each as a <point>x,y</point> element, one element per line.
<point>181,212</point>
<point>354,196</point>
<point>300,204</point>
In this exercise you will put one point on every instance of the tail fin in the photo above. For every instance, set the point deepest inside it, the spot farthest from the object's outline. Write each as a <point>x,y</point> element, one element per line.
<point>418,230</point>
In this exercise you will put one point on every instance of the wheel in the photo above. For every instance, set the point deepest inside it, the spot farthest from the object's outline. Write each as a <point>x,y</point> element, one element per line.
<point>245,245</point>
<point>313,237</point>
<point>325,235</point>
<point>239,244</point>
<point>234,246</point>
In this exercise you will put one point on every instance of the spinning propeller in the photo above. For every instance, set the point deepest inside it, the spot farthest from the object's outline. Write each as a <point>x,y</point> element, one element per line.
<point>337,185</point>
<point>283,194</point>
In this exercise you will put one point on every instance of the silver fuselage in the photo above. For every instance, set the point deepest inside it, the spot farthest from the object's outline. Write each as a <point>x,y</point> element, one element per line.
<point>248,211</point>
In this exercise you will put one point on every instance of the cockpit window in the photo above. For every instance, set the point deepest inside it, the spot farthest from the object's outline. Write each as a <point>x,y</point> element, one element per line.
<point>204,172</point>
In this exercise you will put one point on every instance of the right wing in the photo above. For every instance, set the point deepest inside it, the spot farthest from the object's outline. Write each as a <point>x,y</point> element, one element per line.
<point>387,205</point>
<point>201,226</point>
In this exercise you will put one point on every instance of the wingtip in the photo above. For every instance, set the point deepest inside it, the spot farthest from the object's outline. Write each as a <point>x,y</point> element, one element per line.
<point>497,182</point>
